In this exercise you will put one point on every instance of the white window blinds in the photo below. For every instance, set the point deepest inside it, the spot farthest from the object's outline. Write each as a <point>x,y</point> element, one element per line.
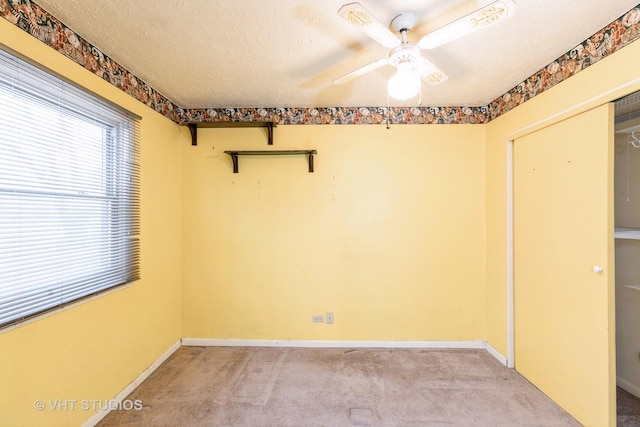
<point>69,193</point>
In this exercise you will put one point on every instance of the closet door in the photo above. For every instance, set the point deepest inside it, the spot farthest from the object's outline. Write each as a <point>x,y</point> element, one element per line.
<point>563,264</point>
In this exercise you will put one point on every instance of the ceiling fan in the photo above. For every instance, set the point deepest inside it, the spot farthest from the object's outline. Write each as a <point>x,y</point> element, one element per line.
<point>411,66</point>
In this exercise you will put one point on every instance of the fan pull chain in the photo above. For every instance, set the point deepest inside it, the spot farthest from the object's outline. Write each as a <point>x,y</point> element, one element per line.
<point>388,110</point>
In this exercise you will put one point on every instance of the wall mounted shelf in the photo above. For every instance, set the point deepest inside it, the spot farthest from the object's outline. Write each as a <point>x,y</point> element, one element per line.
<point>235,154</point>
<point>627,233</point>
<point>193,128</point>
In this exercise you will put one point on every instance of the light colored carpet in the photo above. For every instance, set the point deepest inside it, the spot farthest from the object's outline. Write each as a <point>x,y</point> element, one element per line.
<point>254,386</point>
<point>628,409</point>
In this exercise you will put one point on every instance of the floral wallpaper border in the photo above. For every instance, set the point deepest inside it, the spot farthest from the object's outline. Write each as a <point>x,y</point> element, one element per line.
<point>611,38</point>
<point>31,18</point>
<point>340,115</point>
<point>36,21</point>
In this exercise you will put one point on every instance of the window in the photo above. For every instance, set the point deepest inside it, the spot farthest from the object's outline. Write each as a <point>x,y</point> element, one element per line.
<point>69,210</point>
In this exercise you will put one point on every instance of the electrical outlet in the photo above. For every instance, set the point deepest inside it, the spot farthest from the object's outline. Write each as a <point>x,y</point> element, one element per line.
<point>317,318</point>
<point>329,317</point>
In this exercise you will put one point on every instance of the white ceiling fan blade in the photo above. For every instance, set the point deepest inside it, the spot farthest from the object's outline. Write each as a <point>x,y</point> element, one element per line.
<point>429,72</point>
<point>362,70</point>
<point>484,17</point>
<point>366,22</point>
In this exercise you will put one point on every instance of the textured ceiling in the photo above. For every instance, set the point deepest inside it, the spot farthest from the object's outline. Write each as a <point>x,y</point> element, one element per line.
<point>285,53</point>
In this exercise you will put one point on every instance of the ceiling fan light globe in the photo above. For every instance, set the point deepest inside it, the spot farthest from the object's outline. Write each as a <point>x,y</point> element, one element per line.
<point>405,83</point>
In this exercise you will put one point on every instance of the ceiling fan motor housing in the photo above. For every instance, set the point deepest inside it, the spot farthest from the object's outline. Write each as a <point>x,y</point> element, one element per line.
<point>404,53</point>
<point>405,56</point>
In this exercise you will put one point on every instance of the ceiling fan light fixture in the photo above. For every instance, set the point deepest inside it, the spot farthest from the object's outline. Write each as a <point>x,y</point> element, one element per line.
<point>405,83</point>
<point>404,55</point>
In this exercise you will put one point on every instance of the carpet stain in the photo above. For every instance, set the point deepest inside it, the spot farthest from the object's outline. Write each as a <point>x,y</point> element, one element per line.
<point>257,378</point>
<point>361,417</point>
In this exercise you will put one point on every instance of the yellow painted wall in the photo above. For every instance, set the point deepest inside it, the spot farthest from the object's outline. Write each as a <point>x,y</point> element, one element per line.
<point>602,82</point>
<point>388,234</point>
<point>93,350</point>
<point>401,233</point>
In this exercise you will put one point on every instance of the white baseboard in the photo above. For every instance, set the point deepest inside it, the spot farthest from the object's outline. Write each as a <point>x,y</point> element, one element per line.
<point>495,353</point>
<point>212,342</point>
<point>627,386</point>
<point>95,419</point>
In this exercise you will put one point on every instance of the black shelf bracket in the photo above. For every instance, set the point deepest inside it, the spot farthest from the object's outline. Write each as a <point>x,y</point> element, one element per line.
<point>269,133</point>
<point>193,128</point>
<point>235,154</point>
